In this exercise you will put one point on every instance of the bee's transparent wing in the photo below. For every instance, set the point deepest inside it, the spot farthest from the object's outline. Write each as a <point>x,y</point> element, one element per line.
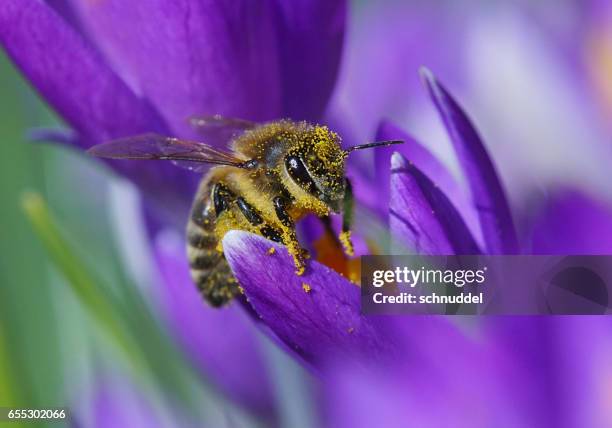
<point>219,130</point>
<point>192,155</point>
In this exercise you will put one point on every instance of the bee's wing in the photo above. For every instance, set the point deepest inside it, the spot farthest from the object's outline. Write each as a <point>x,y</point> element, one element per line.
<point>188,154</point>
<point>219,129</point>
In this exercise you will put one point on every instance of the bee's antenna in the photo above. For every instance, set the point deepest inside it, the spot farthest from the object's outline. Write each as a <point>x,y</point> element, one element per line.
<point>375,144</point>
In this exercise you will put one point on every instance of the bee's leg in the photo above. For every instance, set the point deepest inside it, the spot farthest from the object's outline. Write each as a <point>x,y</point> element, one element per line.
<point>272,233</point>
<point>289,235</point>
<point>222,198</point>
<point>254,217</point>
<point>251,214</point>
<point>285,236</point>
<point>297,252</point>
<point>347,219</point>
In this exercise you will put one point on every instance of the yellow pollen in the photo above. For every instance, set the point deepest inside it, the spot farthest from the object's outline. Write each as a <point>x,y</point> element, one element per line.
<point>347,244</point>
<point>306,287</point>
<point>271,250</point>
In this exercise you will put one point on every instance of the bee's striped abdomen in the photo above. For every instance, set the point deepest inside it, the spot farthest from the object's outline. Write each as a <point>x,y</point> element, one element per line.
<point>209,269</point>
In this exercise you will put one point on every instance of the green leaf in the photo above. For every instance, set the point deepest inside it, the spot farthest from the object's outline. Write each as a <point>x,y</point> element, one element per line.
<point>92,295</point>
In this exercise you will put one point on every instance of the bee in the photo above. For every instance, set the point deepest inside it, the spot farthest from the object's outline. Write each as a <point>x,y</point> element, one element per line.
<point>274,174</point>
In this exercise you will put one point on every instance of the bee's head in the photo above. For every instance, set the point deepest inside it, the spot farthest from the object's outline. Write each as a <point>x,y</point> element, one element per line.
<point>316,166</point>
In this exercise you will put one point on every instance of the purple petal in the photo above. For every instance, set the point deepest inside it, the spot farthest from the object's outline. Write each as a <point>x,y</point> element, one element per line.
<point>310,36</point>
<point>224,343</point>
<point>567,363</point>
<point>66,10</point>
<point>422,217</point>
<point>481,389</point>
<point>321,322</point>
<point>428,164</point>
<point>69,74</point>
<point>117,403</point>
<point>487,192</point>
<point>75,80</point>
<point>251,59</point>
<point>530,343</point>
<point>571,222</point>
<point>586,359</point>
<point>191,57</point>
<point>414,151</point>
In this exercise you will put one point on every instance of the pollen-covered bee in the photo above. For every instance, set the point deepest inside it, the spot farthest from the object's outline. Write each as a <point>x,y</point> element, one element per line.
<point>274,174</point>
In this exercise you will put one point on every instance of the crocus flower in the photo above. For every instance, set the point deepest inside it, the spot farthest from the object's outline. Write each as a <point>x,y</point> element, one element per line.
<point>113,69</point>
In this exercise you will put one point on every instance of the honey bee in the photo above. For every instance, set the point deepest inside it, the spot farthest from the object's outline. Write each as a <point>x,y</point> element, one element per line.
<point>274,174</point>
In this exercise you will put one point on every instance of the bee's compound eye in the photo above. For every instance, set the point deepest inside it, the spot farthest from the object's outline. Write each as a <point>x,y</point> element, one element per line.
<point>297,171</point>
